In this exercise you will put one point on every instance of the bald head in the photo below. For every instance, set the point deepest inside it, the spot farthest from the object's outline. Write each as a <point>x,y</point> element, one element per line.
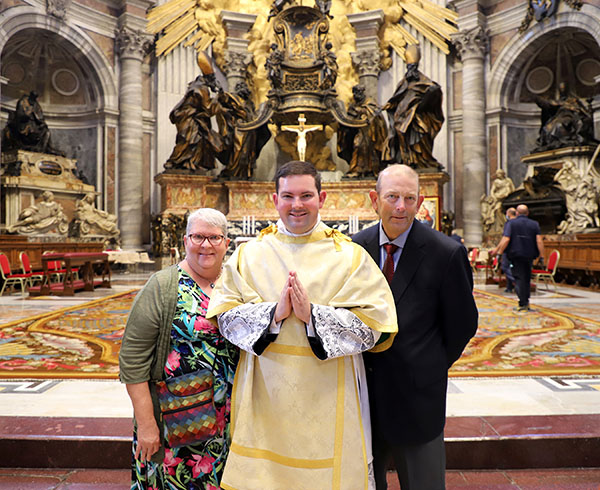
<point>522,210</point>
<point>396,169</point>
<point>511,213</point>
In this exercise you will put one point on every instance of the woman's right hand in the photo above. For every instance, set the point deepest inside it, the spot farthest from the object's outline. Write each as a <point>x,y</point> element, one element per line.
<point>148,435</point>
<point>148,438</point>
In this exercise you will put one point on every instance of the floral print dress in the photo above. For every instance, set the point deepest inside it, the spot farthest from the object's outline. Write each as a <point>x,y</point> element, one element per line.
<point>195,344</point>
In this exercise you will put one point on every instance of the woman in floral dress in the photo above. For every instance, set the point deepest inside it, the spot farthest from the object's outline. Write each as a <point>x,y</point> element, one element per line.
<point>166,336</point>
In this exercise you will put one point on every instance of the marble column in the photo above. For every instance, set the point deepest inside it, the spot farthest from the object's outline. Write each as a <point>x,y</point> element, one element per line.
<point>133,45</point>
<point>237,56</point>
<point>472,47</point>
<point>3,81</point>
<point>367,56</point>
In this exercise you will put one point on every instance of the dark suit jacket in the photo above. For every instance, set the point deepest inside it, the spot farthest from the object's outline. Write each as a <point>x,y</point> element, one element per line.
<point>432,287</point>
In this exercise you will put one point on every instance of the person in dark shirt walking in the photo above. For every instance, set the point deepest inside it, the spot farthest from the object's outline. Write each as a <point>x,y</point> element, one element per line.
<point>522,242</point>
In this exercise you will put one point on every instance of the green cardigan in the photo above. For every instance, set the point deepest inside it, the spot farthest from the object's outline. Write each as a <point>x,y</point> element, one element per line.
<point>147,338</point>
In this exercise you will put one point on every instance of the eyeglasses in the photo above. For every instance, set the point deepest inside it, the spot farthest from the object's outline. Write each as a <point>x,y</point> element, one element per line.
<point>214,240</point>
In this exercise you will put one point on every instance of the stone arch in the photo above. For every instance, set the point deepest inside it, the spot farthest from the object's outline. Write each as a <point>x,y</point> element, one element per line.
<point>22,18</point>
<point>516,53</point>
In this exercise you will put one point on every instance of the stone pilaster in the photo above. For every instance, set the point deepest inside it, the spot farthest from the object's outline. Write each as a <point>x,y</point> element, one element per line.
<point>472,47</point>
<point>132,45</point>
<point>237,56</point>
<point>367,56</point>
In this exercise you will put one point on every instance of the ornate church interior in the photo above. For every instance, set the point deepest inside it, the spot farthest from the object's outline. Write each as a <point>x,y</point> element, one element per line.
<point>118,118</point>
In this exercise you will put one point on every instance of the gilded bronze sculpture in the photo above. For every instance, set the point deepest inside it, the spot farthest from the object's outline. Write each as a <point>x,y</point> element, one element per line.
<point>416,111</point>
<point>361,147</point>
<point>196,144</point>
<point>330,67</point>
<point>241,146</point>
<point>26,128</point>
<point>566,121</point>
<point>273,67</point>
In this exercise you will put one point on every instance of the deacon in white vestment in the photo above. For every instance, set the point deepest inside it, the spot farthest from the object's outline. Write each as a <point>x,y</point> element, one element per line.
<point>302,302</point>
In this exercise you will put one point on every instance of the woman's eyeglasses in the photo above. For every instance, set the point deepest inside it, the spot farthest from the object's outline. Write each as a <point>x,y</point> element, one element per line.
<point>214,240</point>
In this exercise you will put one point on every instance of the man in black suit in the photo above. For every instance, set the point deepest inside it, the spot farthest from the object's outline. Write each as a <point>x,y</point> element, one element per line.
<point>432,284</point>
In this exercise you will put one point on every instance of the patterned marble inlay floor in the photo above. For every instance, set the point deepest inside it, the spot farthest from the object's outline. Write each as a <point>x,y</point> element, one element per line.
<point>467,396</point>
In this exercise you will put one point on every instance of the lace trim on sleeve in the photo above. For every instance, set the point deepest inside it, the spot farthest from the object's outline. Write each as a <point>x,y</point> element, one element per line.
<point>244,325</point>
<point>341,332</point>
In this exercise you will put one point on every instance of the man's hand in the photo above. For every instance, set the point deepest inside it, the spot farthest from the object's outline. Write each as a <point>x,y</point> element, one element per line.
<point>284,306</point>
<point>299,297</point>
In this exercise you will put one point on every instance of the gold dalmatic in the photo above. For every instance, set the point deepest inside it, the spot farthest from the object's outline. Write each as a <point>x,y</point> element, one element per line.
<point>298,421</point>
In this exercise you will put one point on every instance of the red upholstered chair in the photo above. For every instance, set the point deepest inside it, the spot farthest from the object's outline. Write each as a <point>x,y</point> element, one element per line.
<point>57,271</point>
<point>490,267</point>
<point>547,274</point>
<point>8,278</point>
<point>26,268</point>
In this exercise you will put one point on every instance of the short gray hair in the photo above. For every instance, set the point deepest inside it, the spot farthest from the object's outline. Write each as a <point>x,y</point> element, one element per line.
<point>209,216</point>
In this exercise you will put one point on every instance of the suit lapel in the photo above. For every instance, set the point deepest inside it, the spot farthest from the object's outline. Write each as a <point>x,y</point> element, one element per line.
<point>412,255</point>
<point>372,244</point>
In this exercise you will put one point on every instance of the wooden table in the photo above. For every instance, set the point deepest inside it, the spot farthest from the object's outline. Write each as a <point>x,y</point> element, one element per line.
<point>69,285</point>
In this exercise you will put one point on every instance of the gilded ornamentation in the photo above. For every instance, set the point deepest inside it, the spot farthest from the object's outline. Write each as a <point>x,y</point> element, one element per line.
<point>293,83</point>
<point>197,23</point>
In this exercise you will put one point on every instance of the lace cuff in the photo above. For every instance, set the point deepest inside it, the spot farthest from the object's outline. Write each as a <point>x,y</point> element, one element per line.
<point>244,325</point>
<point>341,332</point>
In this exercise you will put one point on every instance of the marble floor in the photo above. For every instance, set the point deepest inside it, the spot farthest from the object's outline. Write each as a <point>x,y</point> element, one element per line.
<point>467,396</point>
<point>479,409</point>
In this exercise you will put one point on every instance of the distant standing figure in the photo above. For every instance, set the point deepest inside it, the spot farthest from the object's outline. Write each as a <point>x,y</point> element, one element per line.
<point>416,110</point>
<point>522,241</point>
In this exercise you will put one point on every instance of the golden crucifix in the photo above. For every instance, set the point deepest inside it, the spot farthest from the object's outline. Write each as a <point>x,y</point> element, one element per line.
<point>301,129</point>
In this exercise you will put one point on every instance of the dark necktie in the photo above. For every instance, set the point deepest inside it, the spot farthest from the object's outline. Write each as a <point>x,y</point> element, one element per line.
<point>388,265</point>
